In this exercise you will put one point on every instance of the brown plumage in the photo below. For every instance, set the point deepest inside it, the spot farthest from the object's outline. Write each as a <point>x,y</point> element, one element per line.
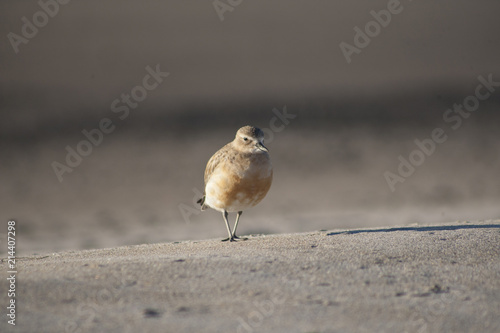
<point>238,176</point>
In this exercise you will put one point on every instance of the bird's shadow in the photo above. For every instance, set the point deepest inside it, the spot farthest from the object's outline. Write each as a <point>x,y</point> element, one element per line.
<point>428,228</point>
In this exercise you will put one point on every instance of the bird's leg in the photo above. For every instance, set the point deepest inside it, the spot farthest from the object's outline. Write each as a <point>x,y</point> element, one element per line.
<point>231,238</point>
<point>236,225</point>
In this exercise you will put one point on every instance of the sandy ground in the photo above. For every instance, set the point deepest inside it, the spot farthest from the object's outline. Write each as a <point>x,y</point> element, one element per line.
<point>131,190</point>
<point>417,278</point>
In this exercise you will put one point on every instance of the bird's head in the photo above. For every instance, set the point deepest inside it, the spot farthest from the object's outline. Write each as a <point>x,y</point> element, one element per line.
<point>250,139</point>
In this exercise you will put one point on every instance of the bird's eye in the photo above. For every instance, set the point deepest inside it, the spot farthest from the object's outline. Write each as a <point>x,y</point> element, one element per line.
<point>245,138</point>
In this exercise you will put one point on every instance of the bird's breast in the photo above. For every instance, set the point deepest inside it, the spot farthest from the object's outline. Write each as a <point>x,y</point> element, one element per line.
<point>236,186</point>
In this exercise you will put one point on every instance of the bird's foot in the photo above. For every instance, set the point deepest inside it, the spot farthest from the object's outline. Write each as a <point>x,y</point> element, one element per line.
<point>234,238</point>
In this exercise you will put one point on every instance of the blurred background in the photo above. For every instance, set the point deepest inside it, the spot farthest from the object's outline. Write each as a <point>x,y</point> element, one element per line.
<point>347,123</point>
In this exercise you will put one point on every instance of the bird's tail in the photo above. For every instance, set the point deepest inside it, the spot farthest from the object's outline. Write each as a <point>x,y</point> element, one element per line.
<point>202,203</point>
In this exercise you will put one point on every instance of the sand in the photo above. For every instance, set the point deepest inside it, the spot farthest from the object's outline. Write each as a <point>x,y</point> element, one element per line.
<point>442,278</point>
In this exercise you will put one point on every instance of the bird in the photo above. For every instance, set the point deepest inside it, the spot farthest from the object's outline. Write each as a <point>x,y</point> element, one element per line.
<point>238,176</point>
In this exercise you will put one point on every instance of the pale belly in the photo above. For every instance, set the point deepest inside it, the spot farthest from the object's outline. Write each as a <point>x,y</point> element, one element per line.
<point>231,192</point>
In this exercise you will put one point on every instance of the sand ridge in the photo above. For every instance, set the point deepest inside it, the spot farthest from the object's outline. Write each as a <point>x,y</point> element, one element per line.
<point>419,278</point>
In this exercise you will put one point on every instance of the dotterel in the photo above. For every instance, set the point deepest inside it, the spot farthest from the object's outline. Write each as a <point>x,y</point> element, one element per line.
<point>238,176</point>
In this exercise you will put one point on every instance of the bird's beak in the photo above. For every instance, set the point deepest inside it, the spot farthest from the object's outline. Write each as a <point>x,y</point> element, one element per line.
<point>262,147</point>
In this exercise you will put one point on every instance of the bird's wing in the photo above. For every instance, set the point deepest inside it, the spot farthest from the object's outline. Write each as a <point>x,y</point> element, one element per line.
<point>214,162</point>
